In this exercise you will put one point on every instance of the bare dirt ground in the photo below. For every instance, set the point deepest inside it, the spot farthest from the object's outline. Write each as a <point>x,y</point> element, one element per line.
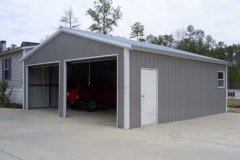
<point>234,105</point>
<point>11,105</point>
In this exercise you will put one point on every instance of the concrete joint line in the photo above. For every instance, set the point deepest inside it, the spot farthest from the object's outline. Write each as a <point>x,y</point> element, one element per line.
<point>10,154</point>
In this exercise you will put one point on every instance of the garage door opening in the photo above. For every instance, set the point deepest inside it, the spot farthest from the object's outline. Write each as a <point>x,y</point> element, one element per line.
<point>43,87</point>
<point>92,89</point>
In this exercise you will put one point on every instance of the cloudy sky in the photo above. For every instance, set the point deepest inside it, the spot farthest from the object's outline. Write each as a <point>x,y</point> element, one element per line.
<point>28,20</point>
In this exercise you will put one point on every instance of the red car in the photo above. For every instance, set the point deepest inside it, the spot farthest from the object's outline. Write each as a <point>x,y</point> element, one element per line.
<point>98,92</point>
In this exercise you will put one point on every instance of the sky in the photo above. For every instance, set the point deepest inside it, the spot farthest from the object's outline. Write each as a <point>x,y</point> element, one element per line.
<point>28,20</point>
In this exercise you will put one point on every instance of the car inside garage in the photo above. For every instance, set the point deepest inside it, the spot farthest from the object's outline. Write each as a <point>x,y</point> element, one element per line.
<point>92,88</point>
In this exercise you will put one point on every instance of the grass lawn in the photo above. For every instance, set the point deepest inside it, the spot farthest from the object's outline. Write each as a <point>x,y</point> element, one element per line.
<point>234,105</point>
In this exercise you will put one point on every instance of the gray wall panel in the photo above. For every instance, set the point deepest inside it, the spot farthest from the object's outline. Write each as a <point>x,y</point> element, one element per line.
<point>67,46</point>
<point>39,95</point>
<point>186,88</point>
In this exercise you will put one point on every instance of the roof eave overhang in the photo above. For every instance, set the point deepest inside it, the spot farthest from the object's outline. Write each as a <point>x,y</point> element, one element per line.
<point>62,30</point>
<point>10,52</point>
<point>55,34</point>
<point>180,55</point>
<point>28,47</point>
<point>122,45</point>
<point>112,42</point>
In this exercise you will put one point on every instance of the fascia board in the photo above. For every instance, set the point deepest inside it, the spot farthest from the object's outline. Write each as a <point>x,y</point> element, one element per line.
<point>180,55</point>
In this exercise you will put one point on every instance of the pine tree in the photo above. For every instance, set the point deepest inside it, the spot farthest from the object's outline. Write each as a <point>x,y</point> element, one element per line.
<point>137,31</point>
<point>104,16</point>
<point>12,47</point>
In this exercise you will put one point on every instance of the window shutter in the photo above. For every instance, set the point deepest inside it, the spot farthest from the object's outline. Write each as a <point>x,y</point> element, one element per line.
<point>3,69</point>
<point>10,69</point>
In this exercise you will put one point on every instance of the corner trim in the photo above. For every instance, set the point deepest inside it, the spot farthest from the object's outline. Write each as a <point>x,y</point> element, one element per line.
<point>226,81</point>
<point>23,86</point>
<point>126,90</point>
<point>64,88</point>
<point>26,85</point>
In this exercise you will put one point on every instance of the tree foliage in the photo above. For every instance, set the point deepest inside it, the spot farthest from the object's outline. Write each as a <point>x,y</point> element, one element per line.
<point>5,92</point>
<point>164,40</point>
<point>69,19</point>
<point>105,17</point>
<point>137,31</point>
<point>12,47</point>
<point>195,41</point>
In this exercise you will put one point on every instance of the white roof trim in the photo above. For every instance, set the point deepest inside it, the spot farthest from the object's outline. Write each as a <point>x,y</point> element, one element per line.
<point>180,55</point>
<point>55,34</point>
<point>10,52</point>
<point>29,47</point>
<point>123,45</point>
<point>120,44</point>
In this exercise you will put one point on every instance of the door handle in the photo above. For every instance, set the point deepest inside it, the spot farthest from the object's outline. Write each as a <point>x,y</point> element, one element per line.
<point>143,95</point>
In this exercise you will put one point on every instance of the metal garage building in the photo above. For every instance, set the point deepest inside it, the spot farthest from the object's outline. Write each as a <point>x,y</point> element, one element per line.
<point>155,84</point>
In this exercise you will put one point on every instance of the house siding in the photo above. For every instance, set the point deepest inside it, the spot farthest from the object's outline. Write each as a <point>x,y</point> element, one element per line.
<point>186,88</point>
<point>26,51</point>
<point>16,69</point>
<point>67,46</point>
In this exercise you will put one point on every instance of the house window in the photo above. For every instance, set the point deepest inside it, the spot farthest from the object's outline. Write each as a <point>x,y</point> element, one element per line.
<point>231,94</point>
<point>6,69</point>
<point>221,79</point>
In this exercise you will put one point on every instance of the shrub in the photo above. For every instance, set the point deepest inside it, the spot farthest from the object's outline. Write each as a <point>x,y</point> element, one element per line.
<point>5,92</point>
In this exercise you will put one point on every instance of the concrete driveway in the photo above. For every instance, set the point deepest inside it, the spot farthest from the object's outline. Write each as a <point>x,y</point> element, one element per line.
<point>39,134</point>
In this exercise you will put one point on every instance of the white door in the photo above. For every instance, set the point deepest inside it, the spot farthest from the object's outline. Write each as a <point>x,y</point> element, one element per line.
<point>149,97</point>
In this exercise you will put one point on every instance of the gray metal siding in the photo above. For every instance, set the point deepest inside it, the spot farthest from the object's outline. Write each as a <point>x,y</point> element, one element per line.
<point>65,47</point>
<point>39,95</point>
<point>186,88</point>
<point>16,69</point>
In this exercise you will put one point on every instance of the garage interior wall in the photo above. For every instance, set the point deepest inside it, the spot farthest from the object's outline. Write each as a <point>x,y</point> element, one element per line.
<point>40,93</point>
<point>66,47</point>
<point>186,88</point>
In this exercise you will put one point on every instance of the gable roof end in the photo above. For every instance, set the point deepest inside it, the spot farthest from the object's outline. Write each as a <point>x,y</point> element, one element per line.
<point>63,30</point>
<point>130,44</point>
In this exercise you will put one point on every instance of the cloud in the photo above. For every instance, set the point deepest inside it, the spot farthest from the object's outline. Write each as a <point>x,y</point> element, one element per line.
<point>29,20</point>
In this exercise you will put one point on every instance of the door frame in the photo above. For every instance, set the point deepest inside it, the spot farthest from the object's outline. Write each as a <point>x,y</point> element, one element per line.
<point>26,84</point>
<point>141,93</point>
<point>65,81</point>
